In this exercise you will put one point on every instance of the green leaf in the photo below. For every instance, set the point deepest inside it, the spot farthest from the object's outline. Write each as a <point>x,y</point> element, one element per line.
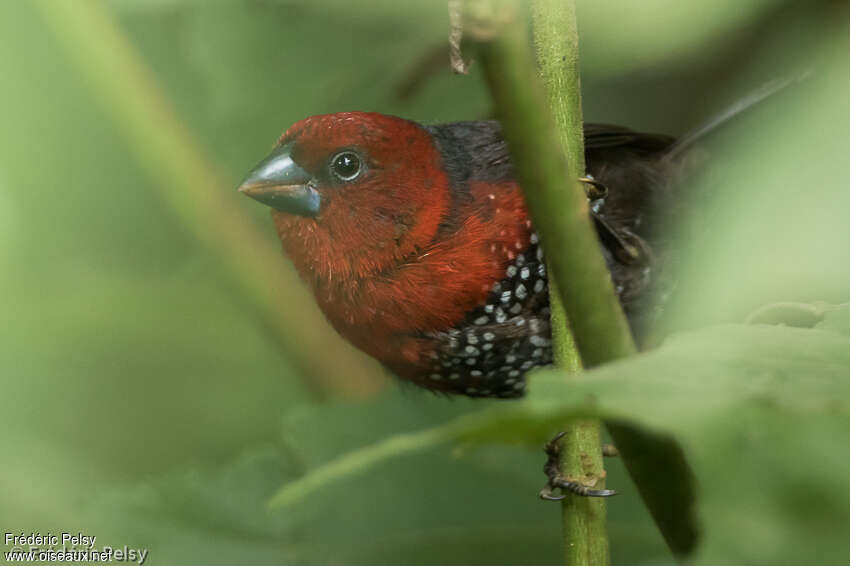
<point>836,320</point>
<point>623,36</point>
<point>734,397</point>
<point>435,506</point>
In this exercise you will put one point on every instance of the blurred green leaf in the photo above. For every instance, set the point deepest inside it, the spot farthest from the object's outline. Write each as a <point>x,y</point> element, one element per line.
<point>733,396</point>
<point>772,211</point>
<point>621,36</point>
<point>836,320</point>
<point>437,506</point>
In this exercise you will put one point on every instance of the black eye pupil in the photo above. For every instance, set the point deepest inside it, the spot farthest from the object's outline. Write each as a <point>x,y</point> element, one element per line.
<point>346,166</point>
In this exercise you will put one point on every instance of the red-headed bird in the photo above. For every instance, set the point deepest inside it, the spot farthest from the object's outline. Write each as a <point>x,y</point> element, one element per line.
<point>419,249</point>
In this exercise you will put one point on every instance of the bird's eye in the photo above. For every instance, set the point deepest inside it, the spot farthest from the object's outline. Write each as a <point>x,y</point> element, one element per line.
<point>346,165</point>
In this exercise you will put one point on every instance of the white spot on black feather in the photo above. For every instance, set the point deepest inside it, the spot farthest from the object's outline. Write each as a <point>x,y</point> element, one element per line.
<point>520,292</point>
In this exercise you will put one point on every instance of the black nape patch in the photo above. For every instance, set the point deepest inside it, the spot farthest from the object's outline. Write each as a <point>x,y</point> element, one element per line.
<point>470,151</point>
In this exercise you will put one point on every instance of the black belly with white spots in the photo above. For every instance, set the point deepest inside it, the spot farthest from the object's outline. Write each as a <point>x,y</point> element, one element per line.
<point>490,352</point>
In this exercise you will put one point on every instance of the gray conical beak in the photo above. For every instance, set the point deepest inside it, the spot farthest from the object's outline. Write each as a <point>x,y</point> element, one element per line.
<point>280,183</point>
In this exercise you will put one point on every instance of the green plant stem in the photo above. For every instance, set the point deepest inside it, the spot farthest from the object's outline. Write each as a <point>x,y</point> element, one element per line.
<point>205,201</point>
<point>360,460</point>
<point>561,216</point>
<point>582,287</point>
<point>556,44</point>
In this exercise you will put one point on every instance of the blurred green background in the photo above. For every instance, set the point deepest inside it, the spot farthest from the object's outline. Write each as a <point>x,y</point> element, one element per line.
<point>147,398</point>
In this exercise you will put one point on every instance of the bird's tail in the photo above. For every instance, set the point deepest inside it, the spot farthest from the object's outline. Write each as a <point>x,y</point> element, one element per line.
<point>767,90</point>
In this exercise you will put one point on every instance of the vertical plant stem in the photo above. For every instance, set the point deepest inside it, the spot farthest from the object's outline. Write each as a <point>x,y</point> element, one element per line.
<point>556,45</point>
<point>578,275</point>
<point>543,127</point>
<point>558,205</point>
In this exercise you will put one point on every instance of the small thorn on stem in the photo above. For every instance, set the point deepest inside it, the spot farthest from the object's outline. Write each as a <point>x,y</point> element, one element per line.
<point>610,451</point>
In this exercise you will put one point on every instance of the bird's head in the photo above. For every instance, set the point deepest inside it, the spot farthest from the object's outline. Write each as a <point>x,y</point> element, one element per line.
<point>352,192</point>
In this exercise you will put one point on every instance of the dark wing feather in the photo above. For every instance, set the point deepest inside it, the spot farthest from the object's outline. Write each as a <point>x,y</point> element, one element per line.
<point>599,136</point>
<point>477,150</point>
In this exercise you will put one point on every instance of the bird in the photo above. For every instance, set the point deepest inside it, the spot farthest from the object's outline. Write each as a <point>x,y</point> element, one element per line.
<point>418,247</point>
